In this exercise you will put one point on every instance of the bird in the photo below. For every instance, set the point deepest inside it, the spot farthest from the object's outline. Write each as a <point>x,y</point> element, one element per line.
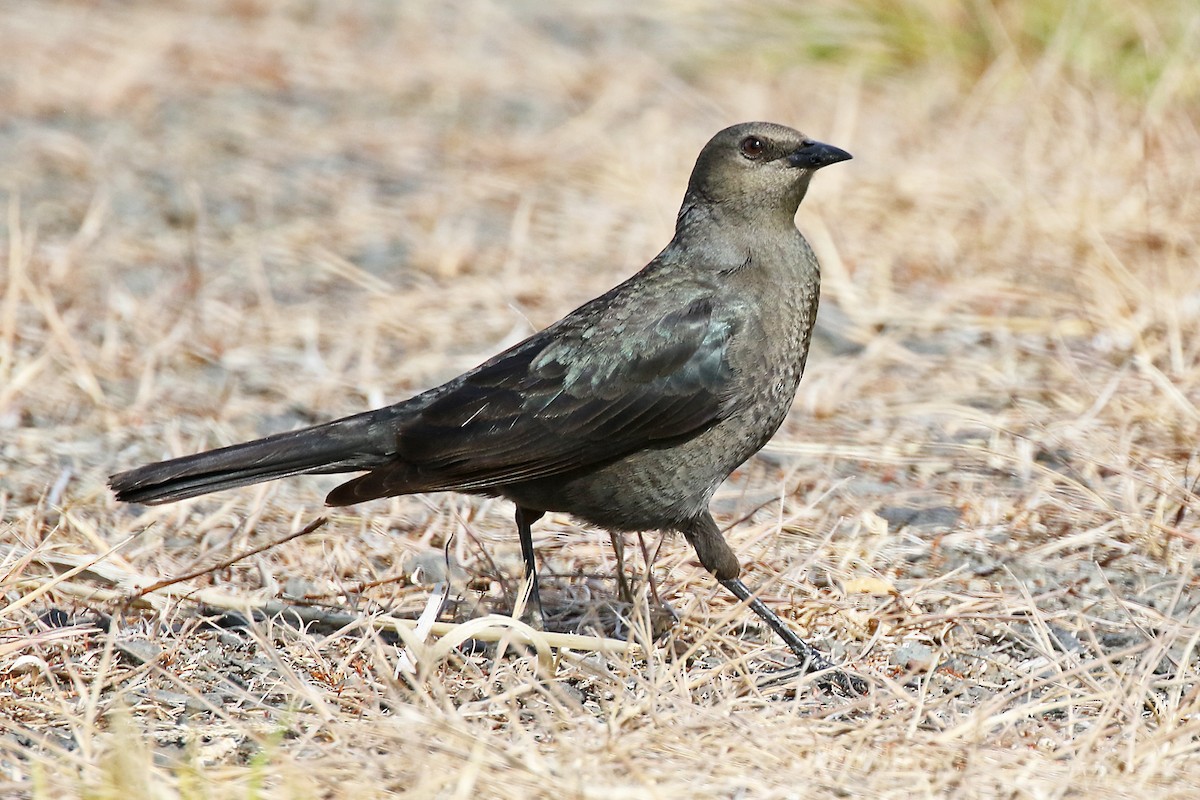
<point>628,412</point>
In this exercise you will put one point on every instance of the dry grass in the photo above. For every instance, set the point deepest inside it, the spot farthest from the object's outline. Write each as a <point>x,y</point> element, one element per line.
<point>223,219</point>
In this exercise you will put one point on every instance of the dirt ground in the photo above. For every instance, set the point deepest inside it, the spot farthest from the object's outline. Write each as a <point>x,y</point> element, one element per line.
<point>224,219</point>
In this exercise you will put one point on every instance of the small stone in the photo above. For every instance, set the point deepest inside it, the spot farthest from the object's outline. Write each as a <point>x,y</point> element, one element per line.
<point>297,588</point>
<point>430,567</point>
<point>930,518</point>
<point>914,657</point>
<point>140,651</point>
<point>1065,640</point>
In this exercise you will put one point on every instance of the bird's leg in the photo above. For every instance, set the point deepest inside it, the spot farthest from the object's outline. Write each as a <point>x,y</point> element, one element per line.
<point>623,590</point>
<point>717,556</point>
<point>650,572</point>
<point>525,519</point>
<point>811,659</point>
<point>662,617</point>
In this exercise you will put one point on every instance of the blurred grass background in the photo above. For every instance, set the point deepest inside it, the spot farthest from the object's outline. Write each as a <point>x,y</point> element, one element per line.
<point>1130,47</point>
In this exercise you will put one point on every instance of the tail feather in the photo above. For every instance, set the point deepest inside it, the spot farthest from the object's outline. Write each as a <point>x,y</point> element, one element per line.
<point>353,444</point>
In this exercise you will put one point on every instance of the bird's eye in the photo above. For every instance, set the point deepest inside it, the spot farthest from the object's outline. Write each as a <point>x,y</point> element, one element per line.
<point>752,147</point>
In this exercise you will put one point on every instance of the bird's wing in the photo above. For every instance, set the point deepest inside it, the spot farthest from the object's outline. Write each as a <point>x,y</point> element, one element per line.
<point>570,397</point>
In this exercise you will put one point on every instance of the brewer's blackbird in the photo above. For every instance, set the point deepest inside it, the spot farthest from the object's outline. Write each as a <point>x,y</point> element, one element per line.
<point>627,413</point>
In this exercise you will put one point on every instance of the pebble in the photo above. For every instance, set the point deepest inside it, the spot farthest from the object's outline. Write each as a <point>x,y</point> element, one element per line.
<point>914,657</point>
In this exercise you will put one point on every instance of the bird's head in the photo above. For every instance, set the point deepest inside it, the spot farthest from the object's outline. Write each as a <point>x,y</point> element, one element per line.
<point>760,167</point>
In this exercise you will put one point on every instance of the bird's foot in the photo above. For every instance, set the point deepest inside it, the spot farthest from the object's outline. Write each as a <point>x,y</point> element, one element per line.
<point>528,607</point>
<point>811,660</point>
<point>663,619</point>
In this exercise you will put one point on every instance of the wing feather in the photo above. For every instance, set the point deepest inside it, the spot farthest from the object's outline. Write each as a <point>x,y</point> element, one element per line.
<point>562,401</point>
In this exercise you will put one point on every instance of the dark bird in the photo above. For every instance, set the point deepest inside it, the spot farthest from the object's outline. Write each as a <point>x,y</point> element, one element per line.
<point>627,413</point>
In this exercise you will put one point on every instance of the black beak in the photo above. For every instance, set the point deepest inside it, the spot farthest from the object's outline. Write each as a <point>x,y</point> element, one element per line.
<point>814,155</point>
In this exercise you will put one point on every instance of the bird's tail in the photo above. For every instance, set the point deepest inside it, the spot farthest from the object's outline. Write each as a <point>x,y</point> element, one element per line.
<point>352,444</point>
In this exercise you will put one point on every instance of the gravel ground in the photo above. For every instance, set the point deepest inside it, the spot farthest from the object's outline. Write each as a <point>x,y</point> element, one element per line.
<point>224,220</point>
